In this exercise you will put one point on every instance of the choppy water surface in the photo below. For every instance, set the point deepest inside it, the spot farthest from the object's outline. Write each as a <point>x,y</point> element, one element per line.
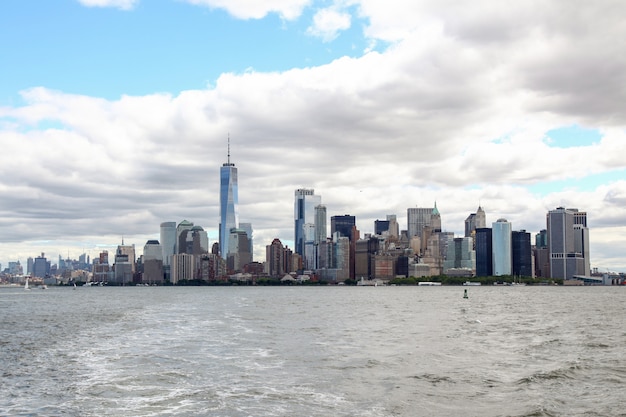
<point>307,351</point>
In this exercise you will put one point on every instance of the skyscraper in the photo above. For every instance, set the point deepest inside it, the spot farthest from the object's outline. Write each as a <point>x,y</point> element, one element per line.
<point>394,228</point>
<point>460,254</point>
<point>183,237</point>
<point>152,262</point>
<point>343,225</point>
<point>168,241</point>
<point>522,254</point>
<point>381,226</point>
<point>417,219</point>
<point>320,224</point>
<point>275,258</point>
<point>239,251</point>
<point>247,227</point>
<point>475,221</point>
<point>568,243</point>
<point>229,203</point>
<point>484,252</point>
<point>304,213</point>
<point>501,247</point>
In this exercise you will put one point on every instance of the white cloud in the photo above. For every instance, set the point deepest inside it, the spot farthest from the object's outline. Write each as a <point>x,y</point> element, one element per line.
<point>254,9</point>
<point>327,23</point>
<point>455,110</point>
<point>119,4</point>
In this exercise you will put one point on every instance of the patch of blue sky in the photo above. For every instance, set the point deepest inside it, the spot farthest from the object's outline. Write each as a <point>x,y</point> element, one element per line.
<point>585,184</point>
<point>572,136</point>
<point>160,46</point>
<point>11,123</point>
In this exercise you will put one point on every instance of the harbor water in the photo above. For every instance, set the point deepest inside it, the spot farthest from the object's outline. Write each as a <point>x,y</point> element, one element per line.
<point>313,351</point>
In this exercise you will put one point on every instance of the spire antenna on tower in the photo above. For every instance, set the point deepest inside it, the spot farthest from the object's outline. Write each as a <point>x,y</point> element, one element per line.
<point>228,148</point>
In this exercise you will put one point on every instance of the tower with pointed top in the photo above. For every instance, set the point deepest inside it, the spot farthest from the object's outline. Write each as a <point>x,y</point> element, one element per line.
<point>229,203</point>
<point>435,220</point>
<point>481,218</point>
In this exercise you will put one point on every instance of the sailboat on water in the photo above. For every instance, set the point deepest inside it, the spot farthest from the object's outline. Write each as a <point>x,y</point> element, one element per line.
<point>26,285</point>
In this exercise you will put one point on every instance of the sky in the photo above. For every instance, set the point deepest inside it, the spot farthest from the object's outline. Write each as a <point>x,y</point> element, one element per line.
<point>115,116</point>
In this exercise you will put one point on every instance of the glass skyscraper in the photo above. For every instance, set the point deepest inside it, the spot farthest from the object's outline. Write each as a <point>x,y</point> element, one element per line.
<point>304,213</point>
<point>229,204</point>
<point>501,247</point>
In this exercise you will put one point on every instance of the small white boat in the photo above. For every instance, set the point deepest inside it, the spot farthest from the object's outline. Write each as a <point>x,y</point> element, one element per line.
<point>471,283</point>
<point>26,285</point>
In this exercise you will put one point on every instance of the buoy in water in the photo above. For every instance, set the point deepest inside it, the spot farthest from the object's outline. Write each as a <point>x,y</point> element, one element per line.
<point>465,293</point>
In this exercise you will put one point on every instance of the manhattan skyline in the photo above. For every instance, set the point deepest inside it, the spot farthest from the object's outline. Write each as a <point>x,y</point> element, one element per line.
<point>114,117</point>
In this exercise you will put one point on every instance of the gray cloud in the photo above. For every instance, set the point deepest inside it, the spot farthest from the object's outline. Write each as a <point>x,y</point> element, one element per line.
<point>454,111</point>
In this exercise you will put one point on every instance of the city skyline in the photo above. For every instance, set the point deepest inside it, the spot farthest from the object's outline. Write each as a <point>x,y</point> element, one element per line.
<point>379,108</point>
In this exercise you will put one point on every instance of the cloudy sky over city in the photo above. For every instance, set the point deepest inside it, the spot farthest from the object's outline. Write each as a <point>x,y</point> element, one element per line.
<point>115,116</point>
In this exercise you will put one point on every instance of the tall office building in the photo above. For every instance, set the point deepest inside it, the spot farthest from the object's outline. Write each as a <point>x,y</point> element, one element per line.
<point>168,241</point>
<point>320,224</point>
<point>183,237</point>
<point>342,225</point>
<point>460,254</point>
<point>304,213</point>
<point>581,238</point>
<point>475,221</point>
<point>41,266</point>
<point>417,219</point>
<point>29,265</point>
<point>275,259</point>
<point>484,252</point>
<point>152,262</point>
<point>568,243</point>
<point>522,254</point>
<point>124,266</point>
<point>394,228</point>
<point>183,268</point>
<point>128,250</point>
<point>199,241</point>
<point>501,247</point>
<point>229,203</point>
<point>247,227</point>
<point>381,226</point>
<point>239,251</point>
